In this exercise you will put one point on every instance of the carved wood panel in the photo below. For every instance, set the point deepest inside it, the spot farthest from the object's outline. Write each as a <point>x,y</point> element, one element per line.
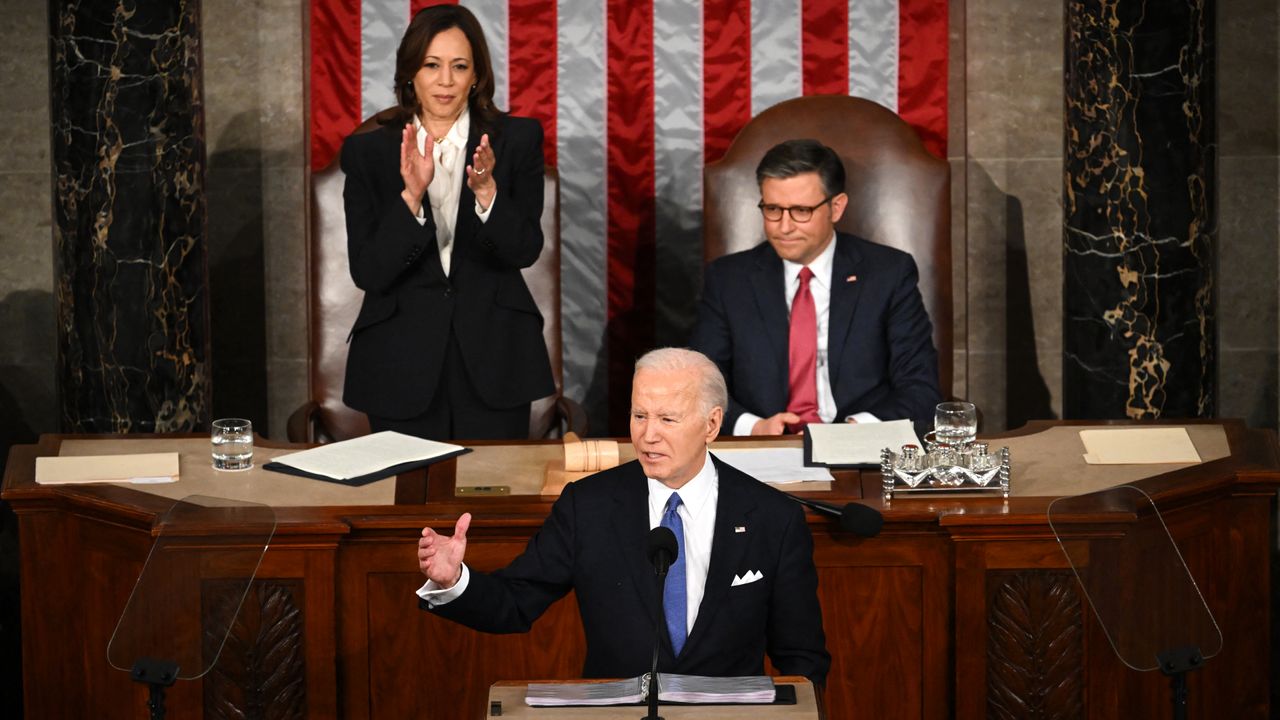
<point>1035,646</point>
<point>261,672</point>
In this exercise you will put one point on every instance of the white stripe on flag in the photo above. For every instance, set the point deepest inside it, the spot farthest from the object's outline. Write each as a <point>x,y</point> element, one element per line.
<point>775,53</point>
<point>494,21</point>
<point>580,153</point>
<point>382,24</point>
<point>873,51</point>
<point>677,71</point>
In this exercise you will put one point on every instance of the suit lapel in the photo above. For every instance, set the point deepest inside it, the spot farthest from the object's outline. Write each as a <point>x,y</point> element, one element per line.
<point>844,300</point>
<point>770,293</point>
<point>728,545</point>
<point>630,521</point>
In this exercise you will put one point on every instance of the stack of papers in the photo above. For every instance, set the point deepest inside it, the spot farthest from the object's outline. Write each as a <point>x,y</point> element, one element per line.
<point>363,460</point>
<point>1138,446</point>
<point>776,466</point>
<point>856,444</point>
<point>146,468</point>
<point>672,688</point>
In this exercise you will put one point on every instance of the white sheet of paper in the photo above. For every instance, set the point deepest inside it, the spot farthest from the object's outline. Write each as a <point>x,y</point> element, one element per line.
<point>146,468</point>
<point>1138,446</point>
<point>364,455</point>
<point>858,443</point>
<point>776,466</point>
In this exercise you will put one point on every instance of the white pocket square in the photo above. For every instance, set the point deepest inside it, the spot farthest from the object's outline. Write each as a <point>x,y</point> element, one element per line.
<point>749,577</point>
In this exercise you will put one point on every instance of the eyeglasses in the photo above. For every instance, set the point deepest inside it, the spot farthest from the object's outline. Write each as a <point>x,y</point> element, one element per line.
<point>799,213</point>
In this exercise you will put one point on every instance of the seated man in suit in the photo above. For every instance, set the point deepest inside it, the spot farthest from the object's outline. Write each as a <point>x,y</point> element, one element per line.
<point>815,325</point>
<point>743,584</point>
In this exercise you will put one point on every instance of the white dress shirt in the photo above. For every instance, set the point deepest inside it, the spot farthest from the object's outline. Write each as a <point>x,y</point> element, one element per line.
<point>450,156</point>
<point>697,510</point>
<point>820,289</point>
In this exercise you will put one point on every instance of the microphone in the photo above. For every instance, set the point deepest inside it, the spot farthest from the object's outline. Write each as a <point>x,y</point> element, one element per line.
<point>855,518</point>
<point>662,551</point>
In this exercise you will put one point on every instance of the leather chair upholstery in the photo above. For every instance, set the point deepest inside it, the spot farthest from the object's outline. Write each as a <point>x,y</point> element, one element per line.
<point>899,193</point>
<point>334,301</point>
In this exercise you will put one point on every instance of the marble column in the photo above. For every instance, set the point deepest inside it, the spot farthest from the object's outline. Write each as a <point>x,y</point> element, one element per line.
<point>1139,329</point>
<point>129,215</point>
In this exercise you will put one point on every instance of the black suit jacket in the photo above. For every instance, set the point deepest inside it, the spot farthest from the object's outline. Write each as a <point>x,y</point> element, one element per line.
<point>594,543</point>
<point>880,352</point>
<point>410,307</point>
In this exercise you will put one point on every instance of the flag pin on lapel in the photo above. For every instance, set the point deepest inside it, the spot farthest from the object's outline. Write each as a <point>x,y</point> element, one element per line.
<point>739,528</point>
<point>851,278</point>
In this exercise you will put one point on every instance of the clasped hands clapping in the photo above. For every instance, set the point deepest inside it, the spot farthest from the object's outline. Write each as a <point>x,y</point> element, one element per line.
<point>418,168</point>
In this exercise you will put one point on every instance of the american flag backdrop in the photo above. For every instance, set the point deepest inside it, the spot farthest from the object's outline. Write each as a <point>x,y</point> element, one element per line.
<point>635,96</point>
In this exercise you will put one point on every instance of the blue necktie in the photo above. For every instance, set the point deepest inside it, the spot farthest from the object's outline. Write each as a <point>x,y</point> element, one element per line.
<point>675,602</point>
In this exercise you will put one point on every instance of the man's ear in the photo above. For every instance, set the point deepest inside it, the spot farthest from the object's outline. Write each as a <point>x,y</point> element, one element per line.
<point>838,204</point>
<point>714,420</point>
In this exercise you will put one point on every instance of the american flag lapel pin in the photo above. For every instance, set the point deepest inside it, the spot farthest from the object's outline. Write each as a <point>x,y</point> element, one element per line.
<point>851,278</point>
<point>739,528</point>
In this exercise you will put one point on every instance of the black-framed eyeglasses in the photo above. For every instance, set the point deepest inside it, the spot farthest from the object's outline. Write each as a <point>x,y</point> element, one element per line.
<point>799,213</point>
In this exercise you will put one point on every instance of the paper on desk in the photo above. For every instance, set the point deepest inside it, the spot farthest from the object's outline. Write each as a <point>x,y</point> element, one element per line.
<point>1138,446</point>
<point>857,443</point>
<point>149,468</point>
<point>774,465</point>
<point>366,455</point>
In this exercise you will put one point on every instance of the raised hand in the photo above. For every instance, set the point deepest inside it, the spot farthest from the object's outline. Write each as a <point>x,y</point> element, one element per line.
<point>480,173</point>
<point>440,557</point>
<point>416,168</point>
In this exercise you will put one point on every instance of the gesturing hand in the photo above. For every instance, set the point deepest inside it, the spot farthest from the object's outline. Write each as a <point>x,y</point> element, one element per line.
<point>416,168</point>
<point>480,173</point>
<point>440,557</point>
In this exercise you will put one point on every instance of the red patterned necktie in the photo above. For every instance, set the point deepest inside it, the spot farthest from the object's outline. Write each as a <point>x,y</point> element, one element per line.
<point>803,360</point>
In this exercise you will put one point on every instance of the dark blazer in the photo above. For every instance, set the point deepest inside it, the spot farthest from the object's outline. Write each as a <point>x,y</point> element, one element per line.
<point>410,308</point>
<point>880,350</point>
<point>594,543</point>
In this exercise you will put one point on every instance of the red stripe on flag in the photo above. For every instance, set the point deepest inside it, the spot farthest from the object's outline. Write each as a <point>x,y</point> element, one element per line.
<point>416,5</point>
<point>824,45</point>
<point>922,70</point>
<point>335,77</point>
<point>726,73</point>
<point>531,65</point>
<point>630,193</point>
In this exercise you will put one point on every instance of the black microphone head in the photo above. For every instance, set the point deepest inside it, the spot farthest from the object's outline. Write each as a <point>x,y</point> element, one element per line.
<point>861,520</point>
<point>663,548</point>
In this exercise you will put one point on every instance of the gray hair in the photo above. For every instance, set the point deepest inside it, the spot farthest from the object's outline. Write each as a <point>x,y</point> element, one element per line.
<point>712,391</point>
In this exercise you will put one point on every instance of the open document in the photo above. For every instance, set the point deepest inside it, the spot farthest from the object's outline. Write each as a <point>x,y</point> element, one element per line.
<point>365,459</point>
<point>672,688</point>
<point>855,444</point>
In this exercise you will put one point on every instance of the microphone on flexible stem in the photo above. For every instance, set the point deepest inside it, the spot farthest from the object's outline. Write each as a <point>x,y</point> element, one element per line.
<point>662,550</point>
<point>855,518</point>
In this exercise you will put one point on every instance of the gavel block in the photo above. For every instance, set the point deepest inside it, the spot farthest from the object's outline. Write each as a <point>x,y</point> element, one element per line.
<point>581,458</point>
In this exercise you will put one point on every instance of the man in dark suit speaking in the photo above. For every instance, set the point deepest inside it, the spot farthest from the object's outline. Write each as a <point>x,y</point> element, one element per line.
<point>815,325</point>
<point>743,583</point>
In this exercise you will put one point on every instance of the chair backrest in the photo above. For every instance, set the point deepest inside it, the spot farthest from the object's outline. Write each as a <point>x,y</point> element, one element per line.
<point>334,301</point>
<point>899,193</point>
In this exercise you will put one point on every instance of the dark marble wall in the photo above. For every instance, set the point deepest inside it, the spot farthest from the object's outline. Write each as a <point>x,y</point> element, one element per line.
<point>129,215</point>
<point>1139,327</point>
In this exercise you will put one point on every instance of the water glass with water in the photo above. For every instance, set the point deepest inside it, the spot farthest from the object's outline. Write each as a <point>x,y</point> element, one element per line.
<point>955,423</point>
<point>232,444</point>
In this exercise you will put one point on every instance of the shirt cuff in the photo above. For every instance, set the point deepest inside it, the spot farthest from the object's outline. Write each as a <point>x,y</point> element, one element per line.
<point>484,214</point>
<point>863,417</point>
<point>437,596</point>
<point>745,422</point>
<point>421,215</point>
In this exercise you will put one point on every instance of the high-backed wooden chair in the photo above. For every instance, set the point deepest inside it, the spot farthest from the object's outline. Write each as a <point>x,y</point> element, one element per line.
<point>899,193</point>
<point>334,301</point>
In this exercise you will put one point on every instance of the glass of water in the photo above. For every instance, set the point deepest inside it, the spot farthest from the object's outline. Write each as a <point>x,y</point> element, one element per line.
<point>955,423</point>
<point>232,444</point>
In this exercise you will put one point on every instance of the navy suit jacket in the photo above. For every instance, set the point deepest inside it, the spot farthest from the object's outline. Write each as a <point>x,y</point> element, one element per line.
<point>594,543</point>
<point>880,352</point>
<point>410,308</point>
